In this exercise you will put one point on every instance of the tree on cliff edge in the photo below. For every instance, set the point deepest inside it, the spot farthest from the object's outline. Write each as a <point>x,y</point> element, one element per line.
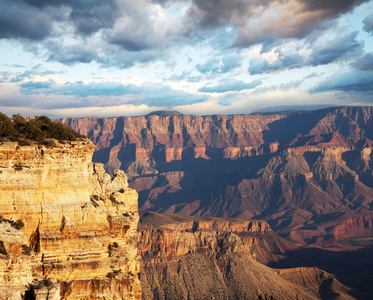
<point>38,130</point>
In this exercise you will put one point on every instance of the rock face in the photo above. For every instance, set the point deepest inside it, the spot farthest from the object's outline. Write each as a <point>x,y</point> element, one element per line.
<point>308,174</point>
<point>212,258</point>
<point>79,234</point>
<point>152,138</point>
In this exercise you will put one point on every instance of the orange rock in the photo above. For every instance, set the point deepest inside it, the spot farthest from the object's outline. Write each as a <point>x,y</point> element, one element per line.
<point>80,224</point>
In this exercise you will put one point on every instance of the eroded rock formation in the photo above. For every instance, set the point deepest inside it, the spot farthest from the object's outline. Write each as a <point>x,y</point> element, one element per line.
<point>68,230</point>
<point>305,173</point>
<point>211,258</point>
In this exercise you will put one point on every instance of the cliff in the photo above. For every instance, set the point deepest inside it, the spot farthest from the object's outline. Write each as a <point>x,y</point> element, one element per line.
<point>304,172</point>
<point>153,138</point>
<point>213,258</point>
<point>68,230</point>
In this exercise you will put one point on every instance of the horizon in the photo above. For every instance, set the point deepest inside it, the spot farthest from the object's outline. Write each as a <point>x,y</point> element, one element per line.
<point>129,58</point>
<point>264,111</point>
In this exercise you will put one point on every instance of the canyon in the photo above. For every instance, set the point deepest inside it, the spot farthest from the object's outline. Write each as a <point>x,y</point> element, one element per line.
<point>308,174</point>
<point>187,257</point>
<point>230,208</point>
<point>68,230</point>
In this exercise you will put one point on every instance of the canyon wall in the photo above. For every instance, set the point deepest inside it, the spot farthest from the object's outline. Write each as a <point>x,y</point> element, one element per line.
<point>212,258</point>
<point>149,139</point>
<point>68,230</point>
<point>305,173</point>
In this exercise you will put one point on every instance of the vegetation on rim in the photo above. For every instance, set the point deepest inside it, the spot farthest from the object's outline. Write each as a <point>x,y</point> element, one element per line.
<point>39,130</point>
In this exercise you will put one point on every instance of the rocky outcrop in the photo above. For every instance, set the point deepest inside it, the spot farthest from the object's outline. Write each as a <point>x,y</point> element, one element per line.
<point>68,230</point>
<point>304,172</point>
<point>211,258</point>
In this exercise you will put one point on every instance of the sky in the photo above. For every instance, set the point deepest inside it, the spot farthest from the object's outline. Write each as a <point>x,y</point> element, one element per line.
<point>110,58</point>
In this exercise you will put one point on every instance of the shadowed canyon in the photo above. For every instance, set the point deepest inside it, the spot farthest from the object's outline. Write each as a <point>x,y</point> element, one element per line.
<point>308,175</point>
<point>263,206</point>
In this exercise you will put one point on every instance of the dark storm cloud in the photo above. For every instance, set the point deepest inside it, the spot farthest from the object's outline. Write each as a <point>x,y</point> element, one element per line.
<point>130,33</point>
<point>331,6</point>
<point>152,94</point>
<point>91,18</point>
<point>354,81</point>
<point>216,13</point>
<point>368,24</point>
<point>231,86</point>
<point>265,21</point>
<point>87,16</point>
<point>364,63</point>
<point>33,19</point>
<point>20,20</point>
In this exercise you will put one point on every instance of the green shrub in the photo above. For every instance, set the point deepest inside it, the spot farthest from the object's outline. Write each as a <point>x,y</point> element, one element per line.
<point>40,130</point>
<point>7,129</point>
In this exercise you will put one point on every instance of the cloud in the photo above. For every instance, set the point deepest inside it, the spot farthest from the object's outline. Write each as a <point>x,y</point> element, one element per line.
<point>368,24</point>
<point>37,19</point>
<point>87,18</point>
<point>230,62</point>
<point>258,65</point>
<point>364,63</point>
<point>231,86</point>
<point>342,47</point>
<point>143,25</point>
<point>17,19</point>
<point>68,55</point>
<point>353,81</point>
<point>95,16</point>
<point>211,66</point>
<point>124,33</point>
<point>151,94</point>
<point>31,87</point>
<point>28,74</point>
<point>321,52</point>
<point>266,21</point>
<point>222,64</point>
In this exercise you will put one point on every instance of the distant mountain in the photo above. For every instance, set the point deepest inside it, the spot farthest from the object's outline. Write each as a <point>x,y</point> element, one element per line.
<point>291,108</point>
<point>164,113</point>
<point>308,174</point>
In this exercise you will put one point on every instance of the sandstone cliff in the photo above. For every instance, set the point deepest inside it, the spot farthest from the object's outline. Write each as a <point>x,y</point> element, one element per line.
<point>76,237</point>
<point>304,173</point>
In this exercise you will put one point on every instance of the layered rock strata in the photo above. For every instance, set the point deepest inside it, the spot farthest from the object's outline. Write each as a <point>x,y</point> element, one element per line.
<point>308,174</point>
<point>68,229</point>
<point>211,258</point>
<point>148,139</point>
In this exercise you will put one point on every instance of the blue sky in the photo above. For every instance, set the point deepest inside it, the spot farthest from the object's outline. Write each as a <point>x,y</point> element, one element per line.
<point>119,57</point>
